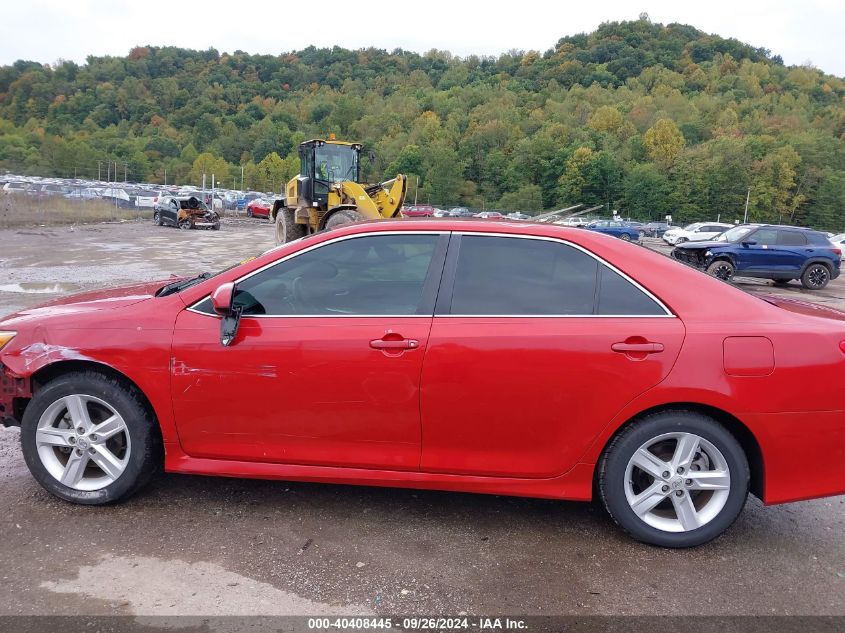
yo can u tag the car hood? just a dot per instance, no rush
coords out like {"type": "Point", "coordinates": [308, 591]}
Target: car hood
{"type": "Point", "coordinates": [107, 299]}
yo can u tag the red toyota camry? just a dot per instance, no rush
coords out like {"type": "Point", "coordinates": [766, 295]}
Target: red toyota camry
{"type": "Point", "coordinates": [480, 356]}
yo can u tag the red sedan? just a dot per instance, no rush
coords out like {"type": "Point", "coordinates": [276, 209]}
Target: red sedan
{"type": "Point", "coordinates": [481, 356]}
{"type": "Point", "coordinates": [259, 208]}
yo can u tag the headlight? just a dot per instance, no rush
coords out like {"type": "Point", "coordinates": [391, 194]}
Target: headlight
{"type": "Point", "coordinates": [5, 337]}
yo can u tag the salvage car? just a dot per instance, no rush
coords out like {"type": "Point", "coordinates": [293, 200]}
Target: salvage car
{"type": "Point", "coordinates": [333, 359]}
{"type": "Point", "coordinates": [766, 251]}
{"type": "Point", "coordinates": [185, 212]}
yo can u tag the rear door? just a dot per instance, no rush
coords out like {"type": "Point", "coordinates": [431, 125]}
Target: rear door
{"type": "Point", "coordinates": [535, 346]}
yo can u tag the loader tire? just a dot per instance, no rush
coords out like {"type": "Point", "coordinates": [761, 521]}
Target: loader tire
{"type": "Point", "coordinates": [287, 230]}
{"type": "Point", "coordinates": [342, 216]}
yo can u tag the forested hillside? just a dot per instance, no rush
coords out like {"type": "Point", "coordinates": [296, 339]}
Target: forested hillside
{"type": "Point", "coordinates": [647, 118]}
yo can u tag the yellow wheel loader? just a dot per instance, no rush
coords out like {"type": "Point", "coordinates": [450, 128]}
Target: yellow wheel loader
{"type": "Point", "coordinates": [328, 192]}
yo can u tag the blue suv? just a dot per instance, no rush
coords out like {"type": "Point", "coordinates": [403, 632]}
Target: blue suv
{"type": "Point", "coordinates": [616, 228]}
{"type": "Point", "coordinates": [767, 251]}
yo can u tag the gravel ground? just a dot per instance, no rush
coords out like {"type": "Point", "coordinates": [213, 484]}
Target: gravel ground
{"type": "Point", "coordinates": [199, 546]}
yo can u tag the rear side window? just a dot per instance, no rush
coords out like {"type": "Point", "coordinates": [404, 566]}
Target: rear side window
{"type": "Point", "coordinates": [506, 276]}
{"type": "Point", "coordinates": [618, 296]}
{"type": "Point", "coordinates": [792, 238]}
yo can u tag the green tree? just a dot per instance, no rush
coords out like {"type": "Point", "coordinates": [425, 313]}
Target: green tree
{"type": "Point", "coordinates": [664, 142]}
{"type": "Point", "coordinates": [209, 164]}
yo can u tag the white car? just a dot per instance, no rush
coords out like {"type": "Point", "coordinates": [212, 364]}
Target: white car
{"type": "Point", "coordinates": [838, 239]}
{"type": "Point", "coordinates": [696, 232]}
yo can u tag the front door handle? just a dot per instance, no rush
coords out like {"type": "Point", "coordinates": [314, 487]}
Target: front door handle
{"type": "Point", "coordinates": [405, 343]}
{"type": "Point", "coordinates": [637, 348]}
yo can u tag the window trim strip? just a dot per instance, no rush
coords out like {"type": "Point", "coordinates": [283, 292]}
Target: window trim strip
{"type": "Point", "coordinates": [447, 282]}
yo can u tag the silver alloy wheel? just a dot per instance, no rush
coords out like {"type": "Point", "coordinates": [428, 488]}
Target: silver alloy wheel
{"type": "Point", "coordinates": [83, 442]}
{"type": "Point", "coordinates": [625, 237]}
{"type": "Point", "coordinates": [677, 482]}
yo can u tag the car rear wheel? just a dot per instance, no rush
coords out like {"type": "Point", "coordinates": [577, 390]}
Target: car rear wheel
{"type": "Point", "coordinates": [721, 269]}
{"type": "Point", "coordinates": [157, 218]}
{"type": "Point", "coordinates": [674, 479]}
{"type": "Point", "coordinates": [815, 277]}
{"type": "Point", "coordinates": [90, 439]}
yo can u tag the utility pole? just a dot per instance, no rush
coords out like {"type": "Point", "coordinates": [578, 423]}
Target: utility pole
{"type": "Point", "coordinates": [108, 171]}
{"type": "Point", "coordinates": [416, 190]}
{"type": "Point", "coordinates": [99, 164]}
{"type": "Point", "coordinates": [242, 177]}
{"type": "Point", "coordinates": [125, 166]}
{"type": "Point", "coordinates": [165, 176]}
{"type": "Point", "coordinates": [747, 198]}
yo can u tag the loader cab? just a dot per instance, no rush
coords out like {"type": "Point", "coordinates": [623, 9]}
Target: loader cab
{"type": "Point", "coordinates": [323, 163]}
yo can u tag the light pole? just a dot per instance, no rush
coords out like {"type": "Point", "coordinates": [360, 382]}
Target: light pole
{"type": "Point", "coordinates": [747, 198]}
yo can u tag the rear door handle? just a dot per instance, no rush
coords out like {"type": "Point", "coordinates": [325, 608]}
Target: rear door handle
{"type": "Point", "coordinates": [405, 343]}
{"type": "Point", "coordinates": [637, 348]}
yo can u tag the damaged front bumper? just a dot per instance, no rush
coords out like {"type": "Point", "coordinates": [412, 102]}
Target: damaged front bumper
{"type": "Point", "coordinates": [14, 394]}
{"type": "Point", "coordinates": [695, 257]}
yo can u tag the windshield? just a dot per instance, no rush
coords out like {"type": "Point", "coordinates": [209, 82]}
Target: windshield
{"type": "Point", "coordinates": [336, 163]}
{"type": "Point", "coordinates": [692, 227]}
{"type": "Point", "coordinates": [734, 235]}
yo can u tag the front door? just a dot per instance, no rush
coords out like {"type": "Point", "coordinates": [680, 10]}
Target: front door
{"type": "Point", "coordinates": [325, 367]}
{"type": "Point", "coordinates": [535, 347]}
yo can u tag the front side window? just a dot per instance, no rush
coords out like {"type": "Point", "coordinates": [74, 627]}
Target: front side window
{"type": "Point", "coordinates": [336, 163]}
{"type": "Point", "coordinates": [764, 237]}
{"type": "Point", "coordinates": [372, 275]}
{"type": "Point", "coordinates": [516, 276]}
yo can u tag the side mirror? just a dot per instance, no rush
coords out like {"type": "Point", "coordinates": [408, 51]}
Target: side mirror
{"type": "Point", "coordinates": [749, 243]}
{"type": "Point", "coordinates": [223, 302]}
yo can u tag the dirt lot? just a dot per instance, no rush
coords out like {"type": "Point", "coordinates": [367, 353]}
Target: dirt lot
{"type": "Point", "coordinates": [193, 545]}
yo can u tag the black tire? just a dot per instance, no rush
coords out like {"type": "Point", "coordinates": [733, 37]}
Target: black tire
{"type": "Point", "coordinates": [157, 219]}
{"type": "Point", "coordinates": [721, 269]}
{"type": "Point", "coordinates": [249, 213]}
{"type": "Point", "coordinates": [185, 225]}
{"type": "Point", "coordinates": [625, 237]}
{"type": "Point", "coordinates": [287, 230]}
{"type": "Point", "coordinates": [681, 240]}
{"type": "Point", "coordinates": [611, 476]}
{"type": "Point", "coordinates": [816, 276]}
{"type": "Point", "coordinates": [145, 454]}
{"type": "Point", "coordinates": [341, 217]}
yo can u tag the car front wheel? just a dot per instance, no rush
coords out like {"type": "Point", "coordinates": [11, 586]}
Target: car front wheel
{"type": "Point", "coordinates": [674, 479]}
{"type": "Point", "coordinates": [90, 439]}
{"type": "Point", "coordinates": [625, 237]}
{"type": "Point", "coordinates": [157, 218]}
{"type": "Point", "coordinates": [721, 269]}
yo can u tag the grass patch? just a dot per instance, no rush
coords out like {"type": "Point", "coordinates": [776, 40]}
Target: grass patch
{"type": "Point", "coordinates": [18, 210]}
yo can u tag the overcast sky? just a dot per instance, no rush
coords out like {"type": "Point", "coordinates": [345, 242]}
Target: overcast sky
{"type": "Point", "coordinates": [49, 30]}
